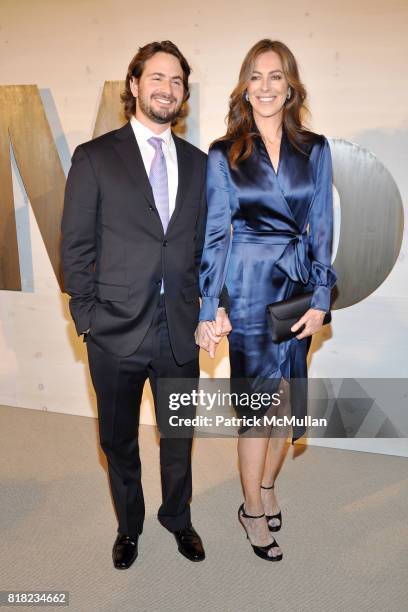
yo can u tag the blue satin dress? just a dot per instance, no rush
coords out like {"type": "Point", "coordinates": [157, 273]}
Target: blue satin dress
{"type": "Point", "coordinates": [268, 237]}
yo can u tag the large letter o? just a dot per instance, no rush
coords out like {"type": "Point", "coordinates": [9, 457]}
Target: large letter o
{"type": "Point", "coordinates": [372, 221]}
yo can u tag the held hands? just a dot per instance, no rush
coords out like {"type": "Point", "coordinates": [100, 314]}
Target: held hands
{"type": "Point", "coordinates": [209, 333]}
{"type": "Point", "coordinates": [312, 320]}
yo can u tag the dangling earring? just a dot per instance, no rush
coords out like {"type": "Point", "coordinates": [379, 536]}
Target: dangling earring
{"type": "Point", "coordinates": [246, 96]}
{"type": "Point", "coordinates": [289, 93]}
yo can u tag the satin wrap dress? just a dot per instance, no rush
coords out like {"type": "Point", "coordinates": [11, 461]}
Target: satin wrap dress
{"type": "Point", "coordinates": [268, 237]}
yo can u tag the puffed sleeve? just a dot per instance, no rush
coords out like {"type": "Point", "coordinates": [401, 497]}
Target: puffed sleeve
{"type": "Point", "coordinates": [214, 261]}
{"type": "Point", "coordinates": [322, 276]}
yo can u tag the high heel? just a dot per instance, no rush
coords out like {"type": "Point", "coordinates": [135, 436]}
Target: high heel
{"type": "Point", "coordinates": [260, 551]}
{"type": "Point", "coordinates": [273, 516]}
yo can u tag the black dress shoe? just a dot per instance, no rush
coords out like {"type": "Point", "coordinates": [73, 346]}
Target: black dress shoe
{"type": "Point", "coordinates": [124, 551]}
{"type": "Point", "coordinates": [190, 544]}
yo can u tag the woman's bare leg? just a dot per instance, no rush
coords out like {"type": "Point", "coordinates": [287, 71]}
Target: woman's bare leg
{"type": "Point", "coordinates": [252, 450]}
{"type": "Point", "coordinates": [278, 447]}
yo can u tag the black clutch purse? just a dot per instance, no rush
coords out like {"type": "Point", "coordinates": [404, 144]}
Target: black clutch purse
{"type": "Point", "coordinates": [282, 315]}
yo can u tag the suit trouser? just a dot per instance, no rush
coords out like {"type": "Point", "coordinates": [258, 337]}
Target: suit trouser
{"type": "Point", "coordinates": [118, 383]}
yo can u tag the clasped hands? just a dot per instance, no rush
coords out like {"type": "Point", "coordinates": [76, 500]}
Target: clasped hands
{"type": "Point", "coordinates": [209, 333]}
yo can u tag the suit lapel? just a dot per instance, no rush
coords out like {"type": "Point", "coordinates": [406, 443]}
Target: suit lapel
{"type": "Point", "coordinates": [185, 167]}
{"type": "Point", "coordinates": [128, 150]}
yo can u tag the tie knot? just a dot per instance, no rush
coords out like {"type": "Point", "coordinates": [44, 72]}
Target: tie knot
{"type": "Point", "coordinates": [156, 143]}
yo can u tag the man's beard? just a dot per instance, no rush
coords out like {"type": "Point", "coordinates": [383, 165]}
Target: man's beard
{"type": "Point", "coordinates": [161, 116]}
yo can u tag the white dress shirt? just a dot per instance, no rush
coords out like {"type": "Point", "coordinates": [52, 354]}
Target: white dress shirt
{"type": "Point", "coordinates": [142, 134]}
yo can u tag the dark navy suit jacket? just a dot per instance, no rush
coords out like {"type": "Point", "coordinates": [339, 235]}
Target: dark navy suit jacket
{"type": "Point", "coordinates": [115, 253]}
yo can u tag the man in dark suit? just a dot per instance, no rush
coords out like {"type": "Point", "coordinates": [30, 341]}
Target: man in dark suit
{"type": "Point", "coordinates": [132, 236]}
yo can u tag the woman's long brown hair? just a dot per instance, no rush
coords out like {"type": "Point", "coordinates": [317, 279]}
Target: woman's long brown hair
{"type": "Point", "coordinates": [240, 121]}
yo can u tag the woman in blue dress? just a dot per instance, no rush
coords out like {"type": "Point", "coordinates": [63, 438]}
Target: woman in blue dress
{"type": "Point", "coordinates": [268, 237]}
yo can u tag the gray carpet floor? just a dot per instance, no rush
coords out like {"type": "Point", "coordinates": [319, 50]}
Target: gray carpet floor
{"type": "Point", "coordinates": [344, 535]}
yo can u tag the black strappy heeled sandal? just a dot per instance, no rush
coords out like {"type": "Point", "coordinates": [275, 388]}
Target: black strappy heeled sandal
{"type": "Point", "coordinates": [260, 551]}
{"type": "Point", "coordinates": [273, 516]}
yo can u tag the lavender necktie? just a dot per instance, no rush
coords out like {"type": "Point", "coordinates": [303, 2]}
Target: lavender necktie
{"type": "Point", "coordinates": [158, 181]}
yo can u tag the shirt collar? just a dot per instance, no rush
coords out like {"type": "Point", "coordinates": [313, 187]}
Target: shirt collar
{"type": "Point", "coordinates": [143, 133]}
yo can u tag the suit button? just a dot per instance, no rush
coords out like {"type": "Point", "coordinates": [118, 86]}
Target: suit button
{"type": "Point", "coordinates": [164, 242]}
{"type": "Point", "coordinates": [151, 207]}
{"type": "Point", "coordinates": [158, 282]}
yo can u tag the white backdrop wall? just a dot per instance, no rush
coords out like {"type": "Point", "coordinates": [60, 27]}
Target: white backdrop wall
{"type": "Point", "coordinates": [352, 58]}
